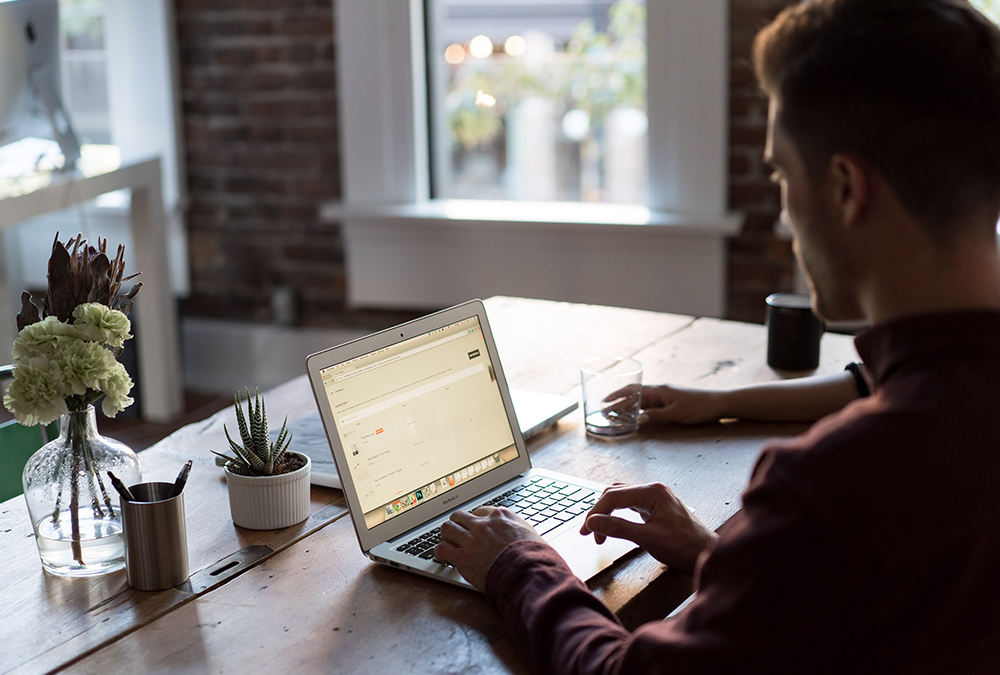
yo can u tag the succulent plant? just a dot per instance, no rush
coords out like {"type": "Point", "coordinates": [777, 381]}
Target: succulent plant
{"type": "Point", "coordinates": [257, 455]}
{"type": "Point", "coordinates": [79, 273]}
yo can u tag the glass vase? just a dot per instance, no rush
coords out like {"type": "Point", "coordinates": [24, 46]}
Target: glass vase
{"type": "Point", "coordinates": [71, 502]}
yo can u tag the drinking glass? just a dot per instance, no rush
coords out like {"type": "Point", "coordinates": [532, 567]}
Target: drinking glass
{"type": "Point", "coordinates": [612, 395]}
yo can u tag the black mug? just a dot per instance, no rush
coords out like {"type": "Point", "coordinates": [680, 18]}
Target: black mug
{"type": "Point", "coordinates": [793, 332]}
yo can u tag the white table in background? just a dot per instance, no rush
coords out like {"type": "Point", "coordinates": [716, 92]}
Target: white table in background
{"type": "Point", "coordinates": [158, 343]}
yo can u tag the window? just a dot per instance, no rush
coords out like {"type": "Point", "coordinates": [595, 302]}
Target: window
{"type": "Point", "coordinates": [990, 8]}
{"type": "Point", "coordinates": [538, 102]}
{"type": "Point", "coordinates": [84, 75]}
{"type": "Point", "coordinates": [382, 78]}
{"type": "Point", "coordinates": [407, 249]}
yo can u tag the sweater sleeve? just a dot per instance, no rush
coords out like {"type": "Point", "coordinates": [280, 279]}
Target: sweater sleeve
{"type": "Point", "coordinates": [551, 615]}
{"type": "Point", "coordinates": [769, 594]}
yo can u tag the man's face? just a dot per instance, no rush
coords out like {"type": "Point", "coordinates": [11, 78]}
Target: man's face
{"type": "Point", "coordinates": [809, 210]}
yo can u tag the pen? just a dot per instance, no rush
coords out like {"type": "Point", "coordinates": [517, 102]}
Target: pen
{"type": "Point", "coordinates": [120, 486]}
{"type": "Point", "coordinates": [181, 479]}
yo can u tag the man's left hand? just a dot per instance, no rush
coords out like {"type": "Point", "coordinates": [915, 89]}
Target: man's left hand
{"type": "Point", "coordinates": [472, 541]}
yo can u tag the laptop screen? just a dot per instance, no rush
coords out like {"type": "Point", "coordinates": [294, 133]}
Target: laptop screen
{"type": "Point", "coordinates": [418, 418]}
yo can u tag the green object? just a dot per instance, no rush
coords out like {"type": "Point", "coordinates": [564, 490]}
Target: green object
{"type": "Point", "coordinates": [17, 444]}
{"type": "Point", "coordinates": [257, 456]}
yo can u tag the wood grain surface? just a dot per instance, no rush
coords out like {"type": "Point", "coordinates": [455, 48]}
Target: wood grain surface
{"type": "Point", "coordinates": [321, 607]}
{"type": "Point", "coordinates": [49, 621]}
{"type": "Point", "coordinates": [316, 603]}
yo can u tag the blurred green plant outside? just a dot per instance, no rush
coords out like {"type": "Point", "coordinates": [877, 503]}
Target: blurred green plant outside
{"type": "Point", "coordinates": [596, 72]}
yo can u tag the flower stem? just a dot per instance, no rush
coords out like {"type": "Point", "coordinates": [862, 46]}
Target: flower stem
{"type": "Point", "coordinates": [58, 508]}
{"type": "Point", "coordinates": [92, 475]}
{"type": "Point", "coordinates": [77, 440]}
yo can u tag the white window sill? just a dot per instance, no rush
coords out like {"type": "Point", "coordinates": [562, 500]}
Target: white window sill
{"type": "Point", "coordinates": [577, 216]}
{"type": "Point", "coordinates": [432, 254]}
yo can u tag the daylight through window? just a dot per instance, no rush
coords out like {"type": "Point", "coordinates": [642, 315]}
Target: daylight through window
{"type": "Point", "coordinates": [538, 101]}
{"type": "Point", "coordinates": [84, 76]}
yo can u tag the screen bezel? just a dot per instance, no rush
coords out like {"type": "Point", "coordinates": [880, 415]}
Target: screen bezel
{"type": "Point", "coordinates": [433, 508]}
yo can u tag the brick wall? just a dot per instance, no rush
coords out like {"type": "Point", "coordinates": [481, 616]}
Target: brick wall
{"type": "Point", "coordinates": [259, 99]}
{"type": "Point", "coordinates": [759, 263]}
{"type": "Point", "coordinates": [258, 92]}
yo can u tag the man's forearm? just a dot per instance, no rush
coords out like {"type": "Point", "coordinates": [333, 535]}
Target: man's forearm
{"type": "Point", "coordinates": [800, 400]}
{"type": "Point", "coordinates": [551, 616]}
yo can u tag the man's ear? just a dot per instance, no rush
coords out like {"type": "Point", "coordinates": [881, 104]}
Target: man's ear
{"type": "Point", "coordinates": [851, 188]}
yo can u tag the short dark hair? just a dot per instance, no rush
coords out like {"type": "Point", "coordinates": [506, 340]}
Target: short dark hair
{"type": "Point", "coordinates": [912, 86]}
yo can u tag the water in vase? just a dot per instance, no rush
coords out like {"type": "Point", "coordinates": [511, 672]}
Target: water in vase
{"type": "Point", "coordinates": [101, 548]}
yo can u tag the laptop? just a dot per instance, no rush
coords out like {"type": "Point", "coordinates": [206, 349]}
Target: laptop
{"type": "Point", "coordinates": [421, 423]}
{"type": "Point", "coordinates": [536, 411]}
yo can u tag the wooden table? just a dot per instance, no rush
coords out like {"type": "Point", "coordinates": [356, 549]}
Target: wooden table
{"type": "Point", "coordinates": [305, 599]}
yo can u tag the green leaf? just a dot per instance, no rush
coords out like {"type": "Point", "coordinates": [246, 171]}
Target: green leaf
{"type": "Point", "coordinates": [263, 441]}
{"type": "Point", "coordinates": [235, 447]}
{"type": "Point", "coordinates": [240, 470]}
{"type": "Point", "coordinates": [224, 456]}
{"type": "Point", "coordinates": [251, 459]}
{"type": "Point", "coordinates": [241, 421]}
{"type": "Point", "coordinates": [282, 443]}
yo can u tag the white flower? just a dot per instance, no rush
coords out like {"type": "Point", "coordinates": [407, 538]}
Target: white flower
{"type": "Point", "coordinates": [83, 365]}
{"type": "Point", "coordinates": [102, 324]}
{"type": "Point", "coordinates": [116, 386]}
{"type": "Point", "coordinates": [43, 336]}
{"type": "Point", "coordinates": [54, 361]}
{"type": "Point", "coordinates": [35, 395]}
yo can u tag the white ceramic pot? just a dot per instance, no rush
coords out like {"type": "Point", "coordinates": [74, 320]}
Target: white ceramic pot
{"type": "Point", "coordinates": [269, 502]}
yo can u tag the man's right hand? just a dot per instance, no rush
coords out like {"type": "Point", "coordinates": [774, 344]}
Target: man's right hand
{"type": "Point", "coordinates": [670, 532]}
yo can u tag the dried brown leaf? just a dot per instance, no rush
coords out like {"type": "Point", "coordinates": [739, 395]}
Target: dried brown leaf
{"type": "Point", "coordinates": [80, 273]}
{"type": "Point", "coordinates": [123, 303]}
{"type": "Point", "coordinates": [100, 281]}
{"type": "Point", "coordinates": [28, 314]}
{"type": "Point", "coordinates": [60, 300]}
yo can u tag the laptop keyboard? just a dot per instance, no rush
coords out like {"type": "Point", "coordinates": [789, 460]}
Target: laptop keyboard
{"type": "Point", "coordinates": [543, 502]}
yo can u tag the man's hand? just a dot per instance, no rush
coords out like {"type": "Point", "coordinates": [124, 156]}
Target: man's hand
{"type": "Point", "coordinates": [472, 541]}
{"type": "Point", "coordinates": [663, 403]}
{"type": "Point", "coordinates": [670, 533]}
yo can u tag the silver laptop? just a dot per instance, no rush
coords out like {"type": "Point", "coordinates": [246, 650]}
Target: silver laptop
{"type": "Point", "coordinates": [536, 411]}
{"type": "Point", "coordinates": [421, 424]}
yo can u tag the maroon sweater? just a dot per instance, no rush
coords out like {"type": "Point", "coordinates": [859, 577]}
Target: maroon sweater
{"type": "Point", "coordinates": [869, 544]}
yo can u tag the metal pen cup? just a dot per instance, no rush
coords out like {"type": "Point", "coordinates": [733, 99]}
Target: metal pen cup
{"type": "Point", "coordinates": [156, 555]}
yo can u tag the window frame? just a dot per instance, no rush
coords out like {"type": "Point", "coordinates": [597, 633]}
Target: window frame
{"type": "Point", "coordinates": [385, 150]}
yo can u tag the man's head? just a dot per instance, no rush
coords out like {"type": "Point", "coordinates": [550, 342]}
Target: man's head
{"type": "Point", "coordinates": [908, 90]}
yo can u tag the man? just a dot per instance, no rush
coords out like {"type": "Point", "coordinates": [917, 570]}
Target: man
{"type": "Point", "coordinates": [872, 542]}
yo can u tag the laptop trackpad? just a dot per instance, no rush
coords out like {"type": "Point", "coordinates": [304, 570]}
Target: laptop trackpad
{"type": "Point", "coordinates": [584, 556]}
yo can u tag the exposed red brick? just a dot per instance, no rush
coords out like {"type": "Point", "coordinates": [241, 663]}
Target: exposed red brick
{"type": "Point", "coordinates": [759, 263]}
{"type": "Point", "coordinates": [760, 221]}
{"type": "Point", "coordinates": [305, 25]}
{"type": "Point", "coordinates": [739, 165]}
{"type": "Point", "coordinates": [317, 187]}
{"type": "Point", "coordinates": [301, 54]}
{"type": "Point", "coordinates": [259, 100]}
{"type": "Point", "coordinates": [749, 195]}
{"type": "Point", "coordinates": [741, 74]}
{"type": "Point", "coordinates": [752, 15]}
